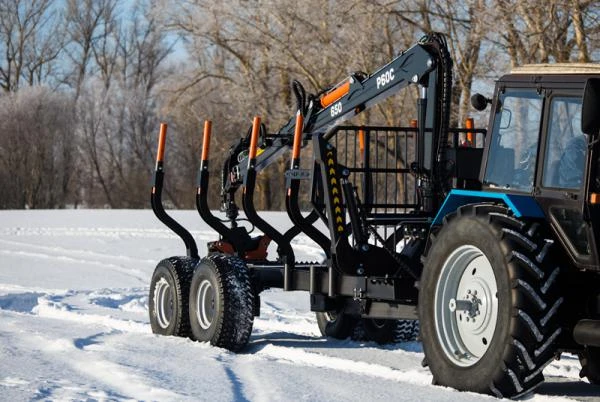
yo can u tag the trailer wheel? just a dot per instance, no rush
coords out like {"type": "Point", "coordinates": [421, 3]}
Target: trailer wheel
{"type": "Point", "coordinates": [407, 331]}
{"type": "Point", "coordinates": [336, 324]}
{"type": "Point", "coordinates": [387, 331]}
{"type": "Point", "coordinates": [168, 298]}
{"type": "Point", "coordinates": [590, 364]}
{"type": "Point", "coordinates": [221, 303]}
{"type": "Point", "coordinates": [379, 330]}
{"type": "Point", "coordinates": [488, 302]}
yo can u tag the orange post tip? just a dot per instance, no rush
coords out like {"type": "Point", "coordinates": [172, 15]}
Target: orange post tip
{"type": "Point", "coordinates": [162, 135]}
{"type": "Point", "coordinates": [254, 137]}
{"type": "Point", "coordinates": [470, 124]}
{"type": "Point", "coordinates": [361, 140]}
{"type": "Point", "coordinates": [206, 139]}
{"type": "Point", "coordinates": [594, 198]}
{"type": "Point", "coordinates": [414, 123]}
{"type": "Point", "coordinates": [297, 136]}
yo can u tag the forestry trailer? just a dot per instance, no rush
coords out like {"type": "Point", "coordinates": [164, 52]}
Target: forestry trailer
{"type": "Point", "coordinates": [490, 238]}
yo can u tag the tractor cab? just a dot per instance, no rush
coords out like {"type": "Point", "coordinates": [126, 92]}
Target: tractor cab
{"type": "Point", "coordinates": [537, 148]}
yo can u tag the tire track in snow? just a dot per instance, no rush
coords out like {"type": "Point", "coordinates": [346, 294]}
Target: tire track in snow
{"type": "Point", "coordinates": [52, 309]}
{"type": "Point", "coordinates": [92, 365]}
{"type": "Point", "coordinates": [301, 243]}
{"type": "Point", "coordinates": [9, 288]}
{"type": "Point", "coordinates": [305, 358]}
{"type": "Point", "coordinates": [275, 319]}
{"type": "Point", "coordinates": [61, 251]}
{"type": "Point", "coordinates": [53, 305]}
{"type": "Point", "coordinates": [133, 272]}
{"type": "Point", "coordinates": [115, 233]}
{"type": "Point", "coordinates": [363, 369]}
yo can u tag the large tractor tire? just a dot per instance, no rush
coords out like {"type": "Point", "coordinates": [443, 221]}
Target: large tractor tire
{"type": "Point", "coordinates": [336, 324]}
{"type": "Point", "coordinates": [488, 302]}
{"type": "Point", "coordinates": [221, 303]}
{"type": "Point", "coordinates": [168, 299]}
{"type": "Point", "coordinates": [590, 364]}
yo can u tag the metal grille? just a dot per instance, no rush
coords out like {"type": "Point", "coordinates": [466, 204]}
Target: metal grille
{"type": "Point", "coordinates": [379, 160]}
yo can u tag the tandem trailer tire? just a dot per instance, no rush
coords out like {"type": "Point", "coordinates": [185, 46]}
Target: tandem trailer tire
{"type": "Point", "coordinates": [221, 303]}
{"type": "Point", "coordinates": [168, 298]}
{"type": "Point", "coordinates": [384, 331]}
{"type": "Point", "coordinates": [379, 330]}
{"type": "Point", "coordinates": [488, 302]}
{"type": "Point", "coordinates": [336, 324]}
{"type": "Point", "coordinates": [407, 331]}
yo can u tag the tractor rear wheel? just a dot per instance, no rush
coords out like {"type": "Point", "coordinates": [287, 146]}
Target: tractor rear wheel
{"type": "Point", "coordinates": [221, 303]}
{"type": "Point", "coordinates": [168, 298]}
{"type": "Point", "coordinates": [488, 301]}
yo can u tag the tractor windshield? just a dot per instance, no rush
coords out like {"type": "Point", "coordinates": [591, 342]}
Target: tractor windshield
{"type": "Point", "coordinates": [513, 149]}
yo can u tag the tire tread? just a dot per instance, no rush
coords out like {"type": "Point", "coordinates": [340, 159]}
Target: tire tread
{"type": "Point", "coordinates": [182, 270]}
{"type": "Point", "coordinates": [532, 272]}
{"type": "Point", "coordinates": [236, 289]}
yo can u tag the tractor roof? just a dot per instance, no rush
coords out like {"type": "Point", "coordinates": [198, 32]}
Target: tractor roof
{"type": "Point", "coordinates": [558, 68]}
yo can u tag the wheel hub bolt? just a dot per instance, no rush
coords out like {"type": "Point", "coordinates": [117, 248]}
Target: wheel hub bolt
{"type": "Point", "coordinates": [461, 305]}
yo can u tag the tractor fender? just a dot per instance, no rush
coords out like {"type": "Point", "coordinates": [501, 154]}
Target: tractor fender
{"type": "Point", "coordinates": [521, 205]}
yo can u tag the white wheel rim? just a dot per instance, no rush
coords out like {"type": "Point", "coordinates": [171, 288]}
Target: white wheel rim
{"type": "Point", "coordinates": [163, 303]}
{"type": "Point", "coordinates": [205, 304]}
{"type": "Point", "coordinates": [466, 305]}
{"type": "Point", "coordinates": [331, 316]}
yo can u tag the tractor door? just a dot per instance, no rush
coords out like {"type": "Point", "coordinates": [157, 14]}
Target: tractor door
{"type": "Point", "coordinates": [561, 175]}
{"type": "Point", "coordinates": [513, 145]}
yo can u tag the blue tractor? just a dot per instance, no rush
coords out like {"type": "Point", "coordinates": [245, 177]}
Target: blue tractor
{"type": "Point", "coordinates": [487, 237]}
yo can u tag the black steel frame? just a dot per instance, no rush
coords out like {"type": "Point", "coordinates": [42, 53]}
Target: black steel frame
{"type": "Point", "coordinates": [362, 267]}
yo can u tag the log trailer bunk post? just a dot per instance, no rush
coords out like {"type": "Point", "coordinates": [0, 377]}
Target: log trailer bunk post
{"type": "Point", "coordinates": [494, 249]}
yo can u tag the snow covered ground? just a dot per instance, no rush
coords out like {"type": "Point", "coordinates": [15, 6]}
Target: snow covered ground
{"type": "Point", "coordinates": [74, 326]}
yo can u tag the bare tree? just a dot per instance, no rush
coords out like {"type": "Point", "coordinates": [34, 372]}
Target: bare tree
{"type": "Point", "coordinates": [546, 31]}
{"type": "Point", "coordinates": [30, 42]}
{"type": "Point", "coordinates": [36, 156]}
{"type": "Point", "coordinates": [87, 22]}
{"type": "Point", "coordinates": [117, 111]}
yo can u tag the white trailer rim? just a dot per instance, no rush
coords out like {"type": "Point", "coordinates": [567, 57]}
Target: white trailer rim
{"type": "Point", "coordinates": [466, 305]}
{"type": "Point", "coordinates": [205, 304]}
{"type": "Point", "coordinates": [163, 303]}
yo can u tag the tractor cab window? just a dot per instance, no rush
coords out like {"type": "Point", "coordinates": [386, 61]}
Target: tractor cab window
{"type": "Point", "coordinates": [566, 145]}
{"type": "Point", "coordinates": [513, 150]}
